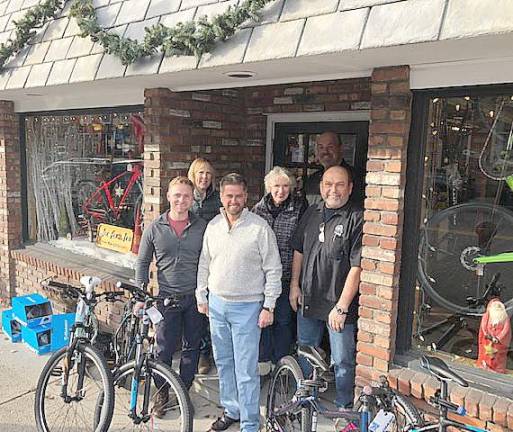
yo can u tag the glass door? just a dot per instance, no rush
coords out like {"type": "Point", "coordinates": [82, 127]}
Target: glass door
{"type": "Point", "coordinates": [294, 148]}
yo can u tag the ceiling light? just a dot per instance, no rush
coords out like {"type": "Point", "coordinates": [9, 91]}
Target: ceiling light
{"type": "Point", "coordinates": [240, 74]}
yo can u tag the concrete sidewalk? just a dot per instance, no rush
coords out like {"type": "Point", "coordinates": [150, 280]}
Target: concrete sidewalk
{"type": "Point", "coordinates": [19, 373]}
{"type": "Point", "coordinates": [20, 369]}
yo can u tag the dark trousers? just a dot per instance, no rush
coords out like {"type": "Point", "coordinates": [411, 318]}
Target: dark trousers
{"type": "Point", "coordinates": [277, 339]}
{"type": "Point", "coordinates": [183, 326]}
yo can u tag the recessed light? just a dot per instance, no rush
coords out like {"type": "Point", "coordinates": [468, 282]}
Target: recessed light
{"type": "Point", "coordinates": [33, 94]}
{"type": "Point", "coordinates": [240, 74]}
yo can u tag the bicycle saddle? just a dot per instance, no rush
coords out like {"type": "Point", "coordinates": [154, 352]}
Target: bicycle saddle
{"type": "Point", "coordinates": [440, 370]}
{"type": "Point", "coordinates": [314, 355]}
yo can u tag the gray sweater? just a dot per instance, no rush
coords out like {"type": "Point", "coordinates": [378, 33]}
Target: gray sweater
{"type": "Point", "coordinates": [176, 258]}
{"type": "Point", "coordinates": [241, 263]}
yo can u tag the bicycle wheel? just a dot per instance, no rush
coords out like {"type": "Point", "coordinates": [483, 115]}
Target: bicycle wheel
{"type": "Point", "coordinates": [282, 388]}
{"type": "Point", "coordinates": [450, 241]}
{"type": "Point", "coordinates": [88, 377]}
{"type": "Point", "coordinates": [178, 411]}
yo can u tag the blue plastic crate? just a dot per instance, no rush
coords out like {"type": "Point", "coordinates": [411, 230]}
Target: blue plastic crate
{"type": "Point", "coordinates": [61, 327]}
{"type": "Point", "coordinates": [39, 338]}
{"type": "Point", "coordinates": [10, 326]}
{"type": "Point", "coordinates": [32, 310]}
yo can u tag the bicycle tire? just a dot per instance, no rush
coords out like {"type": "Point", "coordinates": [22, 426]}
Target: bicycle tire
{"type": "Point", "coordinates": [287, 365]}
{"type": "Point", "coordinates": [96, 370]}
{"type": "Point", "coordinates": [406, 415]}
{"type": "Point", "coordinates": [121, 421]}
{"type": "Point", "coordinates": [441, 262]}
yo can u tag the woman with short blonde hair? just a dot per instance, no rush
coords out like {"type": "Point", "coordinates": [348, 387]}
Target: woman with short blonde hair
{"type": "Point", "coordinates": [206, 205]}
{"type": "Point", "coordinates": [206, 198]}
{"type": "Point", "coordinates": [282, 208]}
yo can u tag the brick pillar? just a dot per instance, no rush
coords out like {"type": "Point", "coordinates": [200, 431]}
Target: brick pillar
{"type": "Point", "coordinates": [381, 255]}
{"type": "Point", "coordinates": [10, 196]}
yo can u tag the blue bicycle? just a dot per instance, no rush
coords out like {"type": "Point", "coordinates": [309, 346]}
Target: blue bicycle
{"type": "Point", "coordinates": [150, 396]}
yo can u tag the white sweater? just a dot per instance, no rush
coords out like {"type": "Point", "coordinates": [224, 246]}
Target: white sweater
{"type": "Point", "coordinates": [241, 263]}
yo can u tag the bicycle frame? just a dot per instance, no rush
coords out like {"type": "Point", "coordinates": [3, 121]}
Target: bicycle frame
{"type": "Point", "coordinates": [104, 188]}
{"type": "Point", "coordinates": [141, 363]}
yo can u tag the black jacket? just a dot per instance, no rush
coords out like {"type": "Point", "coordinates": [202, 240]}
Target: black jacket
{"type": "Point", "coordinates": [209, 207]}
{"type": "Point", "coordinates": [327, 264]}
{"type": "Point", "coordinates": [283, 226]}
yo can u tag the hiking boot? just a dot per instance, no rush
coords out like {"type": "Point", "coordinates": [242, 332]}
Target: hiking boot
{"type": "Point", "coordinates": [161, 404]}
{"type": "Point", "coordinates": [204, 364]}
{"type": "Point", "coordinates": [223, 423]}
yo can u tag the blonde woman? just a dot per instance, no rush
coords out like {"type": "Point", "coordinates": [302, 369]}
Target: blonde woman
{"type": "Point", "coordinates": [206, 198]}
{"type": "Point", "coordinates": [206, 205]}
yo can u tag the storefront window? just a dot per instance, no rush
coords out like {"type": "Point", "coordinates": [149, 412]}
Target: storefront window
{"type": "Point", "coordinates": [84, 171]}
{"type": "Point", "coordinates": [465, 273]}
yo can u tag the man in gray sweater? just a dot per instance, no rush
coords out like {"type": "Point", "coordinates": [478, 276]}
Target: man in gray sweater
{"type": "Point", "coordinates": [239, 280]}
{"type": "Point", "coordinates": [175, 240]}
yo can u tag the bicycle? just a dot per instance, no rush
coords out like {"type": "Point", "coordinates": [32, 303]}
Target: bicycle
{"type": "Point", "coordinates": [441, 371]}
{"type": "Point", "coordinates": [110, 202]}
{"type": "Point", "coordinates": [293, 402]}
{"type": "Point", "coordinates": [75, 376]}
{"type": "Point", "coordinates": [139, 382]}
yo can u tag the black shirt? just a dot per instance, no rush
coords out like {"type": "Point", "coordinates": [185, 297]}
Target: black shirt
{"type": "Point", "coordinates": [327, 264]}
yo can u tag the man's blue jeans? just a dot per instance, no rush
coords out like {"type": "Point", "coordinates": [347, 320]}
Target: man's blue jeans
{"type": "Point", "coordinates": [277, 339]}
{"type": "Point", "coordinates": [342, 345]}
{"type": "Point", "coordinates": [235, 340]}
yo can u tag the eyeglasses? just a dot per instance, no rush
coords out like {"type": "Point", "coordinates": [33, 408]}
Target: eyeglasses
{"type": "Point", "coordinates": [321, 232]}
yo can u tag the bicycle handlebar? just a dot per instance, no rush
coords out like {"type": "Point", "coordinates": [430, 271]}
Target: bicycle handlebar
{"type": "Point", "coordinates": [76, 292]}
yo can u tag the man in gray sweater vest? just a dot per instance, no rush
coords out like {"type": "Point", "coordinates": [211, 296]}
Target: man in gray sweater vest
{"type": "Point", "coordinates": [239, 280]}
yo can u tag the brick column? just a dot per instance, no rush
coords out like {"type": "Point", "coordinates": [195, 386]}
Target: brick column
{"type": "Point", "coordinates": [10, 196]}
{"type": "Point", "coordinates": [386, 178]}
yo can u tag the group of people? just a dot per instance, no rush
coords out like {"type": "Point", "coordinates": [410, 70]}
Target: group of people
{"type": "Point", "coordinates": [245, 274]}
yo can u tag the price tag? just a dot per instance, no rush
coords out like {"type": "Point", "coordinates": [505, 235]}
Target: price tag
{"type": "Point", "coordinates": [383, 422]}
{"type": "Point", "coordinates": [155, 315]}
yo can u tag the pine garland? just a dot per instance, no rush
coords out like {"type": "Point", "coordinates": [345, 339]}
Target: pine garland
{"type": "Point", "coordinates": [190, 38]}
{"type": "Point", "coordinates": [25, 29]}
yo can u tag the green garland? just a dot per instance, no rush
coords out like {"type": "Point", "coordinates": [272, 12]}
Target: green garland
{"type": "Point", "coordinates": [25, 28]}
{"type": "Point", "coordinates": [190, 38]}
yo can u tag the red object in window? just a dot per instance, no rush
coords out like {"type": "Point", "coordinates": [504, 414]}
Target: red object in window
{"type": "Point", "coordinates": [494, 337]}
{"type": "Point", "coordinates": [138, 127]}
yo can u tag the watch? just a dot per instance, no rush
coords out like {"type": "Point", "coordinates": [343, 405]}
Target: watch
{"type": "Point", "coordinates": [268, 309]}
{"type": "Point", "coordinates": [341, 311]}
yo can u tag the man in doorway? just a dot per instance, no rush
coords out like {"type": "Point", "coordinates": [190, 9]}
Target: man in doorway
{"type": "Point", "coordinates": [328, 151]}
{"type": "Point", "coordinates": [326, 275]}
{"type": "Point", "coordinates": [239, 280]}
{"type": "Point", "coordinates": [175, 240]}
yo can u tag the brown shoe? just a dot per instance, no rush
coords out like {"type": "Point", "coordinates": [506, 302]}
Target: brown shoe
{"type": "Point", "coordinates": [161, 404]}
{"type": "Point", "coordinates": [204, 364]}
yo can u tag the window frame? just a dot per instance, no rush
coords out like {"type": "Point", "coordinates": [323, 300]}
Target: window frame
{"type": "Point", "coordinates": [417, 143]}
{"type": "Point", "coordinates": [23, 149]}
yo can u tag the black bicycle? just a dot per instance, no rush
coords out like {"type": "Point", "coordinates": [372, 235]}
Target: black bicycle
{"type": "Point", "coordinates": [76, 376]}
{"type": "Point", "coordinates": [441, 371]}
{"type": "Point", "coordinates": [293, 402]}
{"type": "Point", "coordinates": [149, 394]}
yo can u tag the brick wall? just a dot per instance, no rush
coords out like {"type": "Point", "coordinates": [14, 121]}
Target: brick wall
{"type": "Point", "coordinates": [229, 128]}
{"type": "Point", "coordinates": [10, 195]}
{"type": "Point", "coordinates": [381, 255]}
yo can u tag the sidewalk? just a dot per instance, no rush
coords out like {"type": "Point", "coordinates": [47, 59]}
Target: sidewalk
{"type": "Point", "coordinates": [19, 372]}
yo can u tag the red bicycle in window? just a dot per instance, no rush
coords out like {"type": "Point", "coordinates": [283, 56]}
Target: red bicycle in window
{"type": "Point", "coordinates": [116, 201]}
